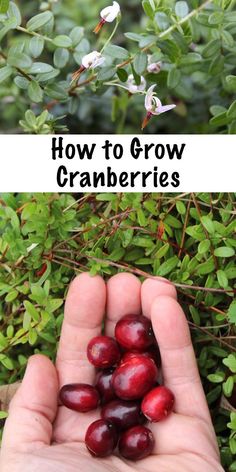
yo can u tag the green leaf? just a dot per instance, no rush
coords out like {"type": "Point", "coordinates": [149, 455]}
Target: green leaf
{"type": "Point", "coordinates": [173, 78]}
{"type": "Point", "coordinates": [224, 251]}
{"type": "Point", "coordinates": [148, 9]}
{"type": "Point", "coordinates": [212, 48]}
{"type": "Point", "coordinates": [76, 35]}
{"type": "Point", "coordinates": [117, 254]}
{"type": "Point", "coordinates": [231, 81]}
{"type": "Point", "coordinates": [56, 92]}
{"type": "Point", "coordinates": [3, 415]}
{"type": "Point", "coordinates": [20, 60]}
{"type": "Point", "coordinates": [61, 57]}
{"type": "Point", "coordinates": [206, 267]}
{"type": "Point", "coordinates": [162, 20]}
{"type": "Point", "coordinates": [4, 5]}
{"type": "Point", "coordinates": [116, 52]}
{"type": "Point", "coordinates": [227, 39]}
{"type": "Point", "coordinates": [230, 362]}
{"type": "Point", "coordinates": [216, 18]}
{"type": "Point", "coordinates": [9, 24]}
{"type": "Point", "coordinates": [36, 46]}
{"type": "Point", "coordinates": [35, 92]}
{"type": "Point", "coordinates": [11, 296]}
{"type": "Point", "coordinates": [5, 73]}
{"type": "Point", "coordinates": [231, 113]}
{"type": "Point", "coordinates": [140, 63]}
{"type": "Point", "coordinates": [106, 73]}
{"type": "Point", "coordinates": [14, 13]}
{"type": "Point", "coordinates": [39, 20]}
{"type": "Point", "coordinates": [228, 386]}
{"type": "Point", "coordinates": [181, 9]}
{"type": "Point", "coordinates": [216, 378]}
{"type": "Point", "coordinates": [31, 310]}
{"type": "Point", "coordinates": [180, 206]}
{"type": "Point", "coordinates": [6, 362]}
{"type": "Point", "coordinates": [40, 68]}
{"type": "Point", "coordinates": [106, 197]}
{"type": "Point", "coordinates": [122, 74]}
{"type": "Point", "coordinates": [162, 251]}
{"type": "Point", "coordinates": [62, 41]}
{"type": "Point", "coordinates": [168, 266]}
{"type": "Point", "coordinates": [222, 278]}
{"type": "Point", "coordinates": [208, 224]}
{"type": "Point", "coordinates": [204, 246]}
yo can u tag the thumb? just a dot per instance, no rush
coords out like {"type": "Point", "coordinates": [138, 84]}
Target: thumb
{"type": "Point", "coordinates": [33, 407]}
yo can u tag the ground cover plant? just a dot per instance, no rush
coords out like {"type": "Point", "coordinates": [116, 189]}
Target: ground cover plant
{"type": "Point", "coordinates": [185, 49]}
{"type": "Point", "coordinates": [188, 238]}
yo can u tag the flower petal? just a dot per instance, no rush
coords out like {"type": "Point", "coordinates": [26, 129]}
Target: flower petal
{"type": "Point", "coordinates": [165, 108]}
{"type": "Point", "coordinates": [110, 13]}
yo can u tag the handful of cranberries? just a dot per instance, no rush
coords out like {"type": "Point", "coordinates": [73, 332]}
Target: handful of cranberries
{"type": "Point", "coordinates": [126, 388]}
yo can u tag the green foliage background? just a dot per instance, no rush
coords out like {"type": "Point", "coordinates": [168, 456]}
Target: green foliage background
{"type": "Point", "coordinates": [195, 41]}
{"type": "Point", "coordinates": [188, 238]}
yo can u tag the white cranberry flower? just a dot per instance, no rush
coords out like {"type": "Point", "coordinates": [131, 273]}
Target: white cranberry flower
{"type": "Point", "coordinates": [153, 67]}
{"type": "Point", "coordinates": [108, 15]}
{"type": "Point", "coordinates": [90, 61]}
{"type": "Point", "coordinates": [154, 106]}
{"type": "Point", "coordinates": [133, 87]}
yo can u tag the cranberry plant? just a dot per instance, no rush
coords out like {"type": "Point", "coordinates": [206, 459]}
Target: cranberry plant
{"type": "Point", "coordinates": [95, 66]}
{"type": "Point", "coordinates": [45, 239]}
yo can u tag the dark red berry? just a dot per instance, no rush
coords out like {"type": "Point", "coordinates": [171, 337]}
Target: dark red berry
{"type": "Point", "coordinates": [123, 414]}
{"type": "Point", "coordinates": [103, 351]}
{"type": "Point", "coordinates": [136, 443]}
{"type": "Point", "coordinates": [79, 397]}
{"type": "Point", "coordinates": [158, 403]}
{"type": "Point", "coordinates": [101, 438]}
{"type": "Point", "coordinates": [134, 332]}
{"type": "Point", "coordinates": [134, 378]}
{"type": "Point", "coordinates": [152, 354]}
{"type": "Point", "coordinates": [104, 385]}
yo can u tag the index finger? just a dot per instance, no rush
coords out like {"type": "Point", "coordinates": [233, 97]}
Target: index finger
{"type": "Point", "coordinates": [84, 311]}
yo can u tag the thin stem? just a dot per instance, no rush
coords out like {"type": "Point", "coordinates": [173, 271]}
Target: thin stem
{"type": "Point", "coordinates": [111, 36]}
{"type": "Point", "coordinates": [33, 33]}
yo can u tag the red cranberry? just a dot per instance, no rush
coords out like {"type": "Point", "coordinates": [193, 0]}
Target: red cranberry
{"type": "Point", "coordinates": [136, 443]}
{"type": "Point", "coordinates": [153, 354]}
{"type": "Point", "coordinates": [134, 332]}
{"type": "Point", "coordinates": [104, 385]}
{"type": "Point", "coordinates": [101, 438]}
{"type": "Point", "coordinates": [134, 378]}
{"type": "Point", "coordinates": [158, 403]}
{"type": "Point", "coordinates": [123, 414]}
{"type": "Point", "coordinates": [103, 351]}
{"type": "Point", "coordinates": [79, 397]}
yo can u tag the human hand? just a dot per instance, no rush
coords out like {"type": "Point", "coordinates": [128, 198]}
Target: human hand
{"type": "Point", "coordinates": [41, 436]}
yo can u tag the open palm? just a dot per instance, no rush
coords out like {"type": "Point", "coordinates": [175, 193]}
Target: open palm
{"type": "Point", "coordinates": [40, 436]}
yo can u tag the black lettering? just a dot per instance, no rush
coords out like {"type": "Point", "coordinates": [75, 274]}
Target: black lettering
{"type": "Point", "coordinates": [175, 179]}
{"type": "Point", "coordinates": [106, 146]}
{"type": "Point", "coordinates": [135, 148]}
{"type": "Point", "coordinates": [160, 151]}
{"type": "Point", "coordinates": [62, 170]}
{"type": "Point", "coordinates": [73, 175]}
{"type": "Point", "coordinates": [172, 150]}
{"type": "Point", "coordinates": [57, 148]}
{"type": "Point", "coordinates": [85, 151]}
{"type": "Point", "coordinates": [85, 179]}
{"type": "Point", "coordinates": [133, 176]}
{"type": "Point", "coordinates": [164, 179]}
{"type": "Point", "coordinates": [70, 151]}
{"type": "Point", "coordinates": [118, 151]}
{"type": "Point", "coordinates": [123, 180]}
